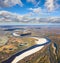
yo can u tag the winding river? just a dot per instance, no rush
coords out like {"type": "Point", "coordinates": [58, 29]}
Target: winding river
{"type": "Point", "coordinates": [31, 50]}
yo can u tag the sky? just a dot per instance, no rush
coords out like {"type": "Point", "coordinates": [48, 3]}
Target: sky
{"type": "Point", "coordinates": [29, 12]}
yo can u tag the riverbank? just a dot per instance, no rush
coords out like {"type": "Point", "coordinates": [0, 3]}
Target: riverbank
{"type": "Point", "coordinates": [32, 51]}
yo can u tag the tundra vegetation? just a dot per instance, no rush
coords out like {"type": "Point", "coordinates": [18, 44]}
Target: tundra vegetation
{"type": "Point", "coordinates": [50, 53]}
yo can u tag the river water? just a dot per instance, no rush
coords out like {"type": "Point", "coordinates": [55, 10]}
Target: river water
{"type": "Point", "coordinates": [9, 60]}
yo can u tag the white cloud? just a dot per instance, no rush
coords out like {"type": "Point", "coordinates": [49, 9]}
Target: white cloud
{"type": "Point", "coordinates": [35, 10]}
{"type": "Point", "coordinates": [52, 5]}
{"type": "Point", "coordinates": [6, 16]}
{"type": "Point", "coordinates": [32, 1]}
{"type": "Point", "coordinates": [37, 3]}
{"type": "Point", "coordinates": [57, 4]}
{"type": "Point", "coordinates": [13, 17]}
{"type": "Point", "coordinates": [9, 3]}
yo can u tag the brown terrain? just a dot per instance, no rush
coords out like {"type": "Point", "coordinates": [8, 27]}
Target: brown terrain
{"type": "Point", "coordinates": [49, 54]}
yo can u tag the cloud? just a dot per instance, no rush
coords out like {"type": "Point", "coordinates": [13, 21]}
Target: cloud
{"type": "Point", "coordinates": [38, 3]}
{"type": "Point", "coordinates": [57, 4]}
{"type": "Point", "coordinates": [6, 16]}
{"type": "Point", "coordinates": [10, 3]}
{"type": "Point", "coordinates": [32, 1]}
{"type": "Point", "coordinates": [35, 10]}
{"type": "Point", "coordinates": [52, 5]}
